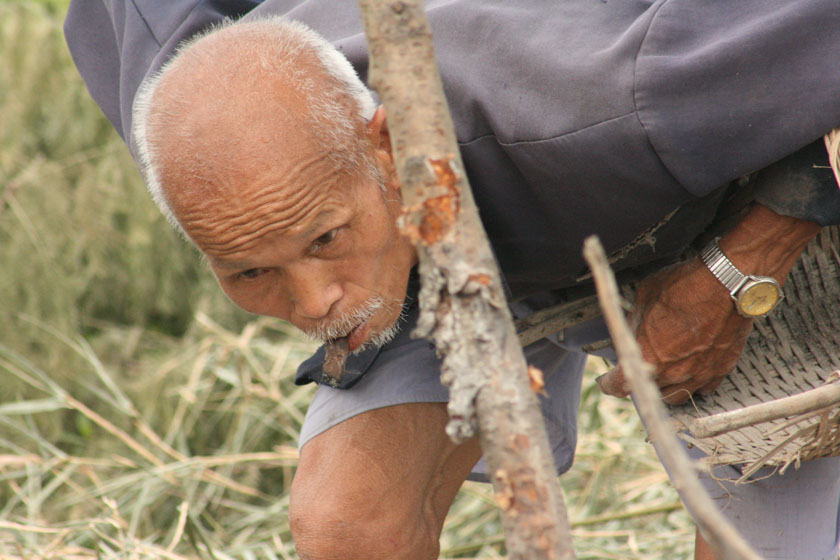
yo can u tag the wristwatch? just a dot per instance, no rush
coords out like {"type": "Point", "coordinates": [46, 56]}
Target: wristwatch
{"type": "Point", "coordinates": [754, 296]}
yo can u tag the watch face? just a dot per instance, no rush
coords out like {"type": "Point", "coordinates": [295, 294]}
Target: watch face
{"type": "Point", "coordinates": [758, 297]}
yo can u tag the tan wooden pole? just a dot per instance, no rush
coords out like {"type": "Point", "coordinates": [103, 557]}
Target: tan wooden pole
{"type": "Point", "coordinates": [463, 307]}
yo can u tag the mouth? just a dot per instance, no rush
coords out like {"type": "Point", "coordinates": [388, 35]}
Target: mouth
{"type": "Point", "coordinates": [356, 337]}
{"type": "Point", "coordinates": [339, 349]}
{"type": "Point", "coordinates": [355, 330]}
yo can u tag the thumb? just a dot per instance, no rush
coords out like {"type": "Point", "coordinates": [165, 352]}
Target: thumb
{"type": "Point", "coordinates": [613, 383]}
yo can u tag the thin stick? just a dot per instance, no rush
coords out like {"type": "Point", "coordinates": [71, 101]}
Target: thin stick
{"type": "Point", "coordinates": [832, 144]}
{"type": "Point", "coordinates": [809, 401]}
{"type": "Point", "coordinates": [554, 319]}
{"type": "Point", "coordinates": [714, 526]}
{"type": "Point", "coordinates": [639, 512]}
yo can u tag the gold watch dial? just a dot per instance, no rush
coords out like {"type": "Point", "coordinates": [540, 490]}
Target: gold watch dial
{"type": "Point", "coordinates": [759, 298]}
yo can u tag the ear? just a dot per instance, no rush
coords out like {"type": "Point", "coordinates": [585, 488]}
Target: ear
{"type": "Point", "coordinates": [377, 133]}
{"type": "Point", "coordinates": [377, 130]}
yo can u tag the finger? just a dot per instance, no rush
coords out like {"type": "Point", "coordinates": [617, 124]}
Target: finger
{"type": "Point", "coordinates": [679, 372]}
{"type": "Point", "coordinates": [613, 383]}
{"type": "Point", "coordinates": [711, 386]}
{"type": "Point", "coordinates": [678, 393]}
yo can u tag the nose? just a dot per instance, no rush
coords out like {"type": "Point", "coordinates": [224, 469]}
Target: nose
{"type": "Point", "coordinates": [313, 296]}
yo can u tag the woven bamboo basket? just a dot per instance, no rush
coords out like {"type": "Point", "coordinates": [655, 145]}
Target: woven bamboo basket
{"type": "Point", "coordinates": [792, 355]}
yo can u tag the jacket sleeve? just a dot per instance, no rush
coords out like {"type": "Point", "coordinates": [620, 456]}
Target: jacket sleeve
{"type": "Point", "coordinates": [116, 43]}
{"type": "Point", "coordinates": [801, 185]}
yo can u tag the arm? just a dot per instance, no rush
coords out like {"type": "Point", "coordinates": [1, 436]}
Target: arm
{"type": "Point", "coordinates": [685, 321]}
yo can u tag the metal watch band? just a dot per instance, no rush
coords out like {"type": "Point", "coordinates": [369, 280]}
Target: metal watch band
{"type": "Point", "coordinates": [722, 267]}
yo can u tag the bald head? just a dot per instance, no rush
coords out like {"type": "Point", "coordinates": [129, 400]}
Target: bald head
{"type": "Point", "coordinates": [242, 98]}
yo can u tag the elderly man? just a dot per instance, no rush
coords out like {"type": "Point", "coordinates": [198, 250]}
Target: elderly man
{"type": "Point", "coordinates": [626, 119]}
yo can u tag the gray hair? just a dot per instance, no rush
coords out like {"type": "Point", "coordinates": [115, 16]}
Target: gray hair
{"type": "Point", "coordinates": [275, 44]}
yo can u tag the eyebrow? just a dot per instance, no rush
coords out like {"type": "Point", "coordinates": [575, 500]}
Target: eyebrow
{"type": "Point", "coordinates": [231, 265]}
{"type": "Point", "coordinates": [317, 222]}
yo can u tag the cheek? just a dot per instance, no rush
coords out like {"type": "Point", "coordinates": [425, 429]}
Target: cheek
{"type": "Point", "coordinates": [241, 298]}
{"type": "Point", "coordinates": [255, 299]}
{"type": "Point", "coordinates": [376, 253]}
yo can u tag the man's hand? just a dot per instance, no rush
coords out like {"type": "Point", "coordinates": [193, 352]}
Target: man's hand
{"type": "Point", "coordinates": [688, 330]}
{"type": "Point", "coordinates": [685, 321]}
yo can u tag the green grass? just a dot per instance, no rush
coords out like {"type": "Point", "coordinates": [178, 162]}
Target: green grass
{"type": "Point", "coordinates": [141, 415]}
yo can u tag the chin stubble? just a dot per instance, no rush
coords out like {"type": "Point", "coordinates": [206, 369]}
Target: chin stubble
{"type": "Point", "coordinates": [345, 323]}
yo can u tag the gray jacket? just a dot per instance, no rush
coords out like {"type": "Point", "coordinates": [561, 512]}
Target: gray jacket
{"type": "Point", "coordinates": [574, 117]}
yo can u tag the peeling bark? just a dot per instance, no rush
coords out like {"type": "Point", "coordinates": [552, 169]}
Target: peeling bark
{"type": "Point", "coordinates": [462, 304]}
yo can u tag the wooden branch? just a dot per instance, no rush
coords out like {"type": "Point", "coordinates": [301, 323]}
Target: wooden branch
{"type": "Point", "coordinates": [462, 305]}
{"type": "Point", "coordinates": [809, 401]}
{"type": "Point", "coordinates": [832, 144]}
{"type": "Point", "coordinates": [554, 319]}
{"type": "Point", "coordinates": [718, 531]}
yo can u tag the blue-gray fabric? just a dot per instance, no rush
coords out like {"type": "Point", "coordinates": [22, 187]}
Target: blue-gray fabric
{"type": "Point", "coordinates": [790, 516]}
{"type": "Point", "coordinates": [815, 196]}
{"type": "Point", "coordinates": [574, 117]}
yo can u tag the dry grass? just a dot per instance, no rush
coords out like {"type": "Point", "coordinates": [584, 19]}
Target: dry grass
{"type": "Point", "coordinates": [141, 416]}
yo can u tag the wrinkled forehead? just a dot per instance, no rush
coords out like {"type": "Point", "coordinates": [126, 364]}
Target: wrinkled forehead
{"type": "Point", "coordinates": [252, 201]}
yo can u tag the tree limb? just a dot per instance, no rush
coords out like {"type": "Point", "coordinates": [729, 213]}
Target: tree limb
{"type": "Point", "coordinates": [714, 526]}
{"type": "Point", "coordinates": [462, 304]}
{"type": "Point", "coordinates": [554, 319]}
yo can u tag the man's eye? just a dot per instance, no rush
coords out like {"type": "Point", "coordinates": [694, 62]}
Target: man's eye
{"type": "Point", "coordinates": [325, 239]}
{"type": "Point", "coordinates": [251, 273]}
